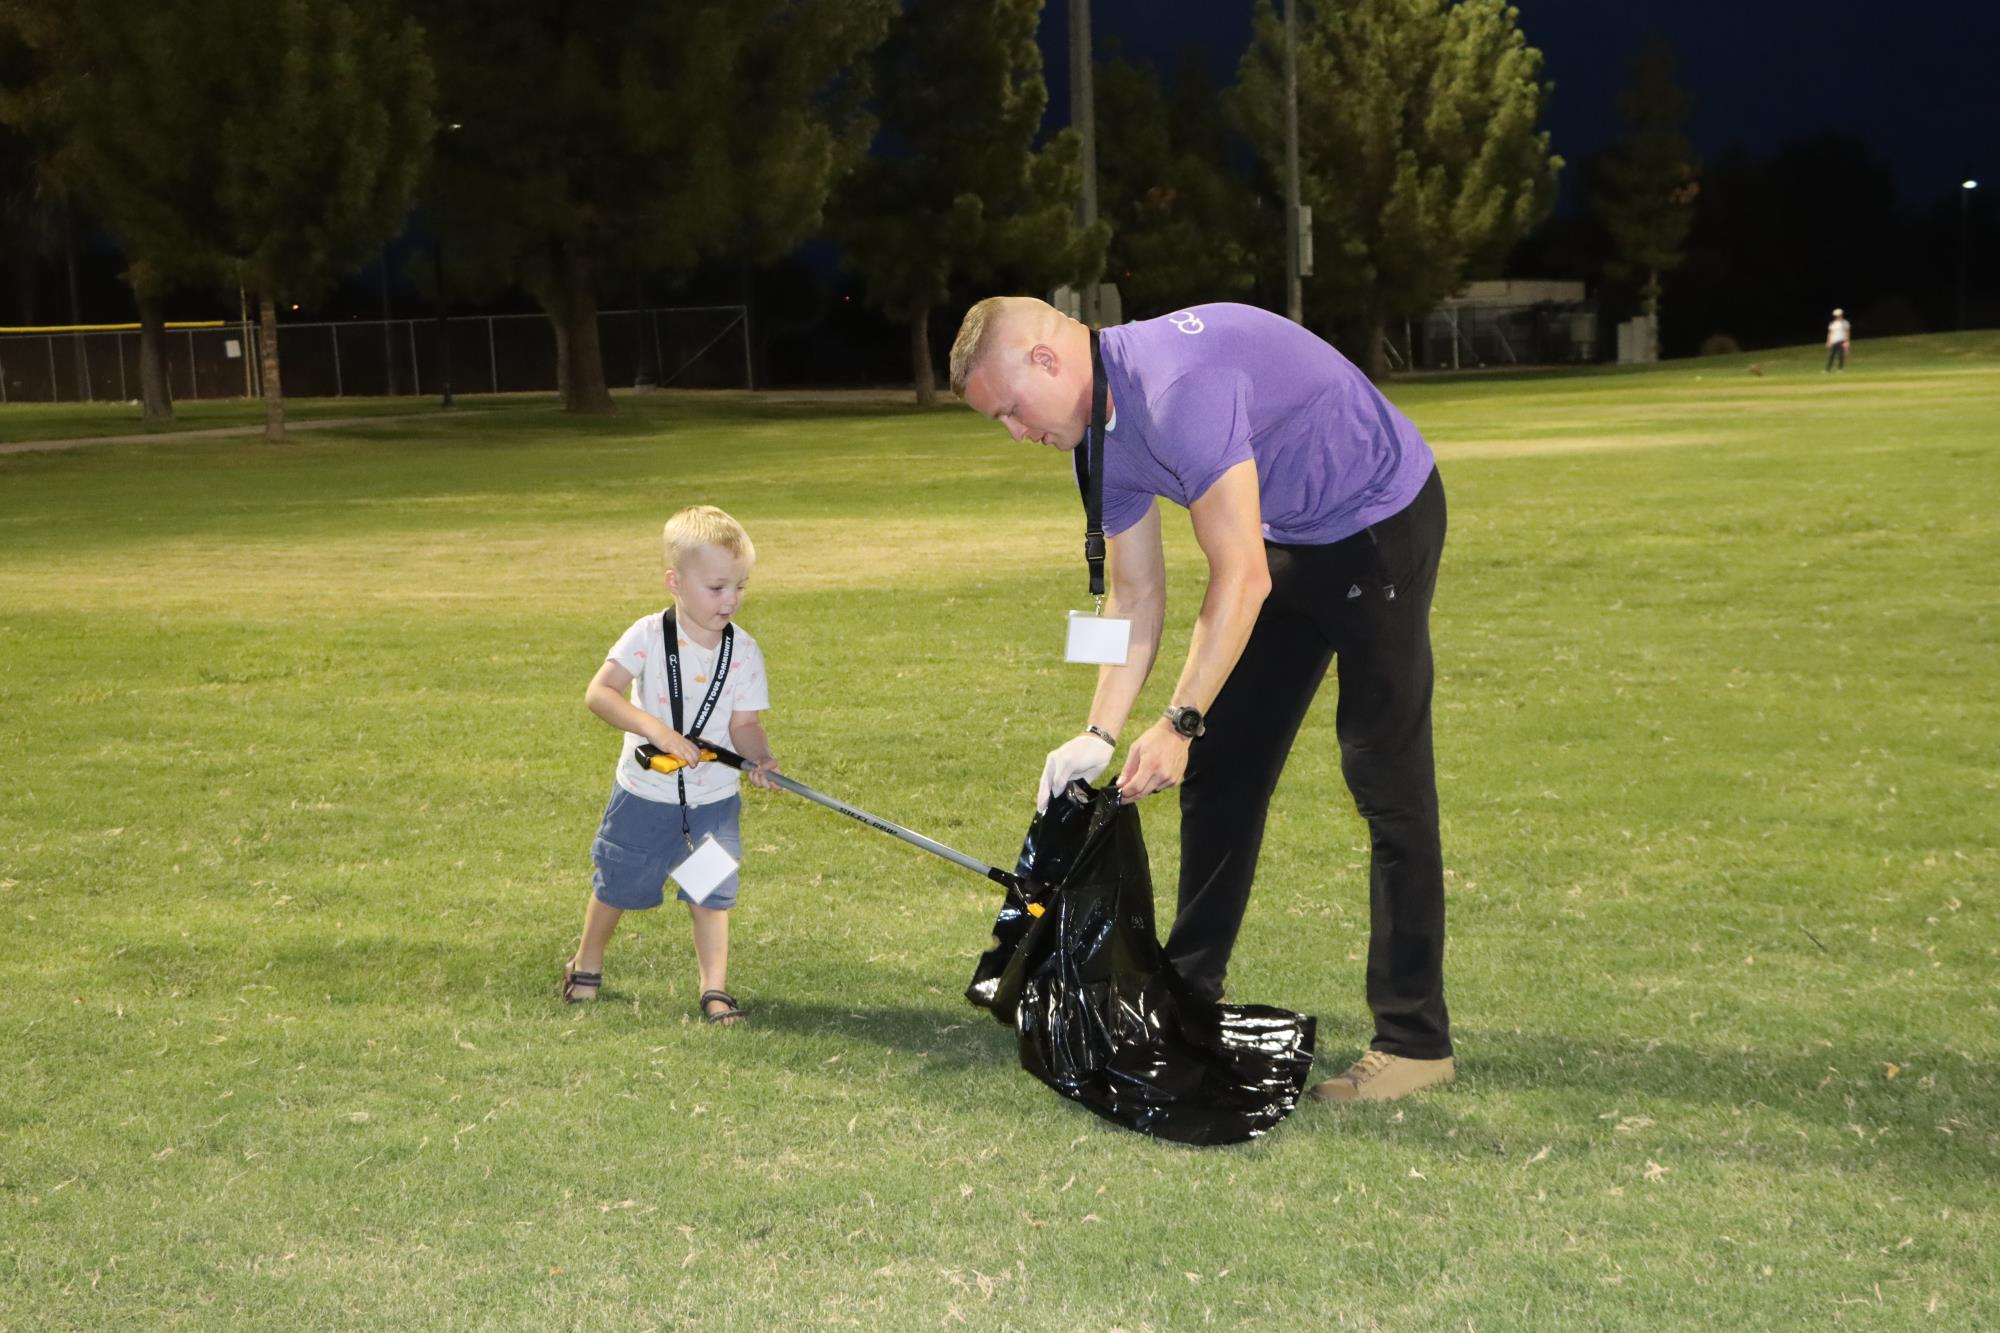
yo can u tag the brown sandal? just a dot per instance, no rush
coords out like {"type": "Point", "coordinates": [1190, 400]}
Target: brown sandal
{"type": "Point", "coordinates": [728, 1015]}
{"type": "Point", "coordinates": [573, 980]}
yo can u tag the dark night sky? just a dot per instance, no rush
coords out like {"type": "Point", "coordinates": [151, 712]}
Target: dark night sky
{"type": "Point", "coordinates": [1918, 80]}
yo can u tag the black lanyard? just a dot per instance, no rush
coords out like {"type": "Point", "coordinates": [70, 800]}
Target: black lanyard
{"type": "Point", "coordinates": [1089, 460]}
{"type": "Point", "coordinates": [671, 632]}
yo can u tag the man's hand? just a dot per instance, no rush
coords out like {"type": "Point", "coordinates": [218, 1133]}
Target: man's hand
{"type": "Point", "coordinates": [1156, 761]}
{"type": "Point", "coordinates": [760, 774]}
{"type": "Point", "coordinates": [1085, 757]}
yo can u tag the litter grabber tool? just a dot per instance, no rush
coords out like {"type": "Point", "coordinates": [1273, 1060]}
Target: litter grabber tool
{"type": "Point", "coordinates": [659, 761]}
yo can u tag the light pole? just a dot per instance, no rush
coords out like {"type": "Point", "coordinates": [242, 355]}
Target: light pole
{"type": "Point", "coordinates": [1295, 308]}
{"type": "Point", "coordinates": [443, 315]}
{"type": "Point", "coordinates": [1965, 190]}
{"type": "Point", "coordinates": [1083, 115]}
{"type": "Point", "coordinates": [388, 329]}
{"type": "Point", "coordinates": [444, 322]}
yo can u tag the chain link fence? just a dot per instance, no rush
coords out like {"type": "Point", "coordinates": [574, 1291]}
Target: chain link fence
{"type": "Point", "coordinates": [702, 347]}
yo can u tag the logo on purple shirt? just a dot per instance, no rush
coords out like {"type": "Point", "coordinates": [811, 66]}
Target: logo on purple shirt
{"type": "Point", "coordinates": [1196, 392]}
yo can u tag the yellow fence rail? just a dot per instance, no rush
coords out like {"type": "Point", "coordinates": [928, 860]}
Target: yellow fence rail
{"type": "Point", "coordinates": [112, 328]}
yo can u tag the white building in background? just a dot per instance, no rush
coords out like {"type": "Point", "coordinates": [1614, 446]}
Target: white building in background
{"type": "Point", "coordinates": [1506, 322]}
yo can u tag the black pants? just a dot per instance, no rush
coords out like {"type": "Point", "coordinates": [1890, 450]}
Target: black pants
{"type": "Point", "coordinates": [1364, 603]}
{"type": "Point", "coordinates": [1836, 353]}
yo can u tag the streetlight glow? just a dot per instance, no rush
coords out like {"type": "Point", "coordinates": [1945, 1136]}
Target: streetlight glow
{"type": "Point", "coordinates": [1965, 189]}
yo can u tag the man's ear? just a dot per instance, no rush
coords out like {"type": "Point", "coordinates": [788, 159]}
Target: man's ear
{"type": "Point", "coordinates": [673, 581]}
{"type": "Point", "coordinates": [1044, 358]}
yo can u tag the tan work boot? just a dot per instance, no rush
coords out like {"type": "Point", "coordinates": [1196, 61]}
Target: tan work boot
{"type": "Point", "coordinates": [1381, 1077]}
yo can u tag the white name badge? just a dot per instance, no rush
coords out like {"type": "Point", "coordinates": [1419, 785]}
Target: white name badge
{"type": "Point", "coordinates": [1104, 640]}
{"type": "Point", "coordinates": [705, 869]}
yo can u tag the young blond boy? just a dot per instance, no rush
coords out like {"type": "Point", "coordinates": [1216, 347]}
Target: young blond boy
{"type": "Point", "coordinates": [654, 821]}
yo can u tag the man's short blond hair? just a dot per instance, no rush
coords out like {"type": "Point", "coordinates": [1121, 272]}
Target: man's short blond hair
{"type": "Point", "coordinates": [705, 525]}
{"type": "Point", "coordinates": [973, 335]}
{"type": "Point", "coordinates": [988, 322]}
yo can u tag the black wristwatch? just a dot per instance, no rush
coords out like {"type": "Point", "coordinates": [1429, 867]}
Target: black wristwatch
{"type": "Point", "coordinates": [1187, 721]}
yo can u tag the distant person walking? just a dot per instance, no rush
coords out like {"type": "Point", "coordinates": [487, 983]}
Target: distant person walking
{"type": "Point", "coordinates": [1836, 341]}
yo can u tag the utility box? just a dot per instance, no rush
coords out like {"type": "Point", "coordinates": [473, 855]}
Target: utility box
{"type": "Point", "coordinates": [1637, 343]}
{"type": "Point", "coordinates": [1110, 307]}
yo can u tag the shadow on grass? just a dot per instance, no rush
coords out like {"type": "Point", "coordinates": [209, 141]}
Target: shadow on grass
{"type": "Point", "coordinates": [951, 1039]}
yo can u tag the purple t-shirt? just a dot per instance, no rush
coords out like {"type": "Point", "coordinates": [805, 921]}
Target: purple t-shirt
{"type": "Point", "coordinates": [1196, 392]}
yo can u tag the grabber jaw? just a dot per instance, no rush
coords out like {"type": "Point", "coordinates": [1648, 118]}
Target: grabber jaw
{"type": "Point", "coordinates": [1025, 906]}
{"type": "Point", "coordinates": [1024, 895]}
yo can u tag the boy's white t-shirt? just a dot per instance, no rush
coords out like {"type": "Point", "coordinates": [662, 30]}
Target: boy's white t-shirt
{"type": "Point", "coordinates": [642, 650]}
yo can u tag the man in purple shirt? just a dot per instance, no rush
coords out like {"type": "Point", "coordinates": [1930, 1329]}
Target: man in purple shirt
{"type": "Point", "coordinates": [1320, 511]}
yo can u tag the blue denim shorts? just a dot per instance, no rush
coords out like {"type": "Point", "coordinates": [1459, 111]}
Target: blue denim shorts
{"type": "Point", "coordinates": [641, 841]}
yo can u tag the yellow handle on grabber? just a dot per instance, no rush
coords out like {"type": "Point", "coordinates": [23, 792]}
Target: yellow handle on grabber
{"type": "Point", "coordinates": [662, 762]}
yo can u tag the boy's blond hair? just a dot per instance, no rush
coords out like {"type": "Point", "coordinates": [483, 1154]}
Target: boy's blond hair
{"type": "Point", "coordinates": [705, 525]}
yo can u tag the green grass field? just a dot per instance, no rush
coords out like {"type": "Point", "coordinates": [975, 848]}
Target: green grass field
{"type": "Point", "coordinates": [298, 790]}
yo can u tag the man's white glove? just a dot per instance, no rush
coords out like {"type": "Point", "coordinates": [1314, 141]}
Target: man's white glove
{"type": "Point", "coordinates": [1085, 757]}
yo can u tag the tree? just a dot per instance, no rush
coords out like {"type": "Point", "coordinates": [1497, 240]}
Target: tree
{"type": "Point", "coordinates": [664, 131]}
{"type": "Point", "coordinates": [1184, 228]}
{"type": "Point", "coordinates": [30, 200]}
{"type": "Point", "coordinates": [59, 101]}
{"type": "Point", "coordinates": [1644, 185]}
{"type": "Point", "coordinates": [47, 88]}
{"type": "Point", "coordinates": [278, 139]}
{"type": "Point", "coordinates": [960, 191]}
{"type": "Point", "coordinates": [1418, 151]}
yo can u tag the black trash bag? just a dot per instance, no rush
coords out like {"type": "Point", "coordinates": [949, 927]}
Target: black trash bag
{"type": "Point", "coordinates": [1103, 1018]}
